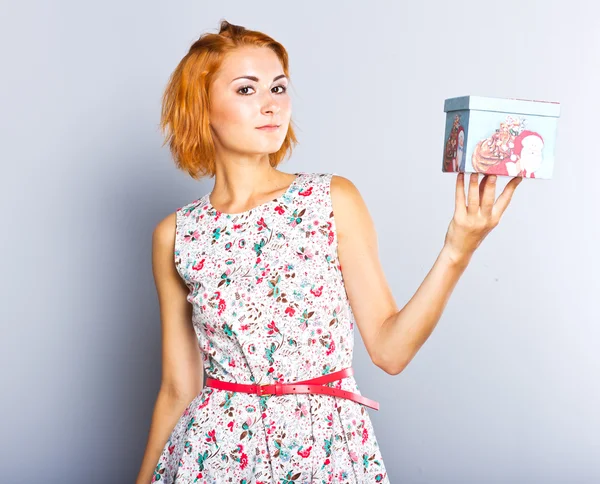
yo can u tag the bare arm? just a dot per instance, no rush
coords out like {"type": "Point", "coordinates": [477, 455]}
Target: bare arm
{"type": "Point", "coordinates": [182, 369]}
{"type": "Point", "coordinates": [393, 337]}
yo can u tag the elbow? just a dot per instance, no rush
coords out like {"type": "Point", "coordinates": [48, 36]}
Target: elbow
{"type": "Point", "coordinates": [391, 368]}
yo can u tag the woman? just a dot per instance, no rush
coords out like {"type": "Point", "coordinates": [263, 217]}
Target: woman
{"type": "Point", "coordinates": [260, 285]}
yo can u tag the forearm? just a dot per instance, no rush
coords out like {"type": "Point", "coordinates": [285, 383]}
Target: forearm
{"type": "Point", "coordinates": [403, 333]}
{"type": "Point", "coordinates": [167, 411]}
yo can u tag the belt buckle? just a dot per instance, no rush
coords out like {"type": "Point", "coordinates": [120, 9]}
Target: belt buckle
{"type": "Point", "coordinates": [261, 394]}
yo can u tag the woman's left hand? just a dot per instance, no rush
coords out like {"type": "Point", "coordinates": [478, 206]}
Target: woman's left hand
{"type": "Point", "coordinates": [473, 221]}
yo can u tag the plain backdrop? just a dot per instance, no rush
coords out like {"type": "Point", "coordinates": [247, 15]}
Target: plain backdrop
{"type": "Point", "coordinates": [506, 389]}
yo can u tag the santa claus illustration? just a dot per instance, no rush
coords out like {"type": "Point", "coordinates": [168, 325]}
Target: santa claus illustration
{"type": "Point", "coordinates": [527, 155]}
{"type": "Point", "coordinates": [454, 150]}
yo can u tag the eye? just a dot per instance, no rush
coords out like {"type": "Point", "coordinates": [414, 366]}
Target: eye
{"type": "Point", "coordinates": [284, 90]}
{"type": "Point", "coordinates": [244, 87]}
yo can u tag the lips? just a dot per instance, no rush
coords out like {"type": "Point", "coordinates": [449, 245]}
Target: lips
{"type": "Point", "coordinates": [269, 126]}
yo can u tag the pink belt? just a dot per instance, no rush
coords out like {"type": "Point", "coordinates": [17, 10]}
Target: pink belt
{"type": "Point", "coordinates": [314, 385]}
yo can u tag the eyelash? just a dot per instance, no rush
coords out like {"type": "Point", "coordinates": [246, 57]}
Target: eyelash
{"type": "Point", "coordinates": [246, 87]}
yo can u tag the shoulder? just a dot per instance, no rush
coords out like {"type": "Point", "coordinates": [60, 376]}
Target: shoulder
{"type": "Point", "coordinates": [348, 205]}
{"type": "Point", "coordinates": [332, 182]}
{"type": "Point", "coordinates": [163, 236]}
{"type": "Point", "coordinates": [166, 229]}
{"type": "Point", "coordinates": [342, 187]}
{"type": "Point", "coordinates": [344, 193]}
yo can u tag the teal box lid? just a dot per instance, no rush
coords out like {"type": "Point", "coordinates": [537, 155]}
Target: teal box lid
{"type": "Point", "coordinates": [503, 105]}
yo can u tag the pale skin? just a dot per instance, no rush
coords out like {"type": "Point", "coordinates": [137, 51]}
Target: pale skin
{"type": "Point", "coordinates": [244, 179]}
{"type": "Point", "coordinates": [391, 336]}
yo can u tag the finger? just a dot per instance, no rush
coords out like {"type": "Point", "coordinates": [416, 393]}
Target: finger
{"type": "Point", "coordinates": [473, 206]}
{"type": "Point", "coordinates": [506, 196]}
{"type": "Point", "coordinates": [482, 185]}
{"type": "Point", "coordinates": [460, 193]}
{"type": "Point", "coordinates": [489, 195]}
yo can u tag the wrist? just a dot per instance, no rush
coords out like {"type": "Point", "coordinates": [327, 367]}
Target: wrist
{"type": "Point", "coordinates": [456, 256]}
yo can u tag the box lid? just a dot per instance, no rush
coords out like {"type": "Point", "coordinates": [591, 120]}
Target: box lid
{"type": "Point", "coordinates": [511, 105]}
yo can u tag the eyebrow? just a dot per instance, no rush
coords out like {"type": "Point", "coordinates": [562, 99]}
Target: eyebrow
{"type": "Point", "coordinates": [255, 79]}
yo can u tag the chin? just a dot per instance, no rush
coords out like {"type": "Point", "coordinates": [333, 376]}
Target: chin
{"type": "Point", "coordinates": [269, 147]}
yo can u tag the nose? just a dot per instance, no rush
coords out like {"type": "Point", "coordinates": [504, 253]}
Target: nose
{"type": "Point", "coordinates": [270, 105]}
{"type": "Point", "coordinates": [271, 108]}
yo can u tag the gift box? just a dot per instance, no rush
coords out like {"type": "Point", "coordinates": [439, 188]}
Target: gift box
{"type": "Point", "coordinates": [506, 137]}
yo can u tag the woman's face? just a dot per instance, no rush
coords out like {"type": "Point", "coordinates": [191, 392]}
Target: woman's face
{"type": "Point", "coordinates": [238, 107]}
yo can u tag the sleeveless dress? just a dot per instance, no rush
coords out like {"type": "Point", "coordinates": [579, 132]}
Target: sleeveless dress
{"type": "Point", "coordinates": [269, 304]}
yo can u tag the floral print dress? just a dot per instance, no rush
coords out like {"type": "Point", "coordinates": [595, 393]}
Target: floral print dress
{"type": "Point", "coordinates": [269, 304]}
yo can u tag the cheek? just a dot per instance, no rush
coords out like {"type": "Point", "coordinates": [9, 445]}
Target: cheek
{"type": "Point", "coordinates": [286, 107]}
{"type": "Point", "coordinates": [230, 113]}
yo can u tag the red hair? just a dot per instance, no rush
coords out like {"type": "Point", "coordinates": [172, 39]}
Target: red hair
{"type": "Point", "coordinates": [185, 103]}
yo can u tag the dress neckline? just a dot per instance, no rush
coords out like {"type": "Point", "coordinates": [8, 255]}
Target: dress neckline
{"type": "Point", "coordinates": [259, 206]}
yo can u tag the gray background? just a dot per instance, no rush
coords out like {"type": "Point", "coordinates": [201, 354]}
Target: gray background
{"type": "Point", "coordinates": [506, 388]}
